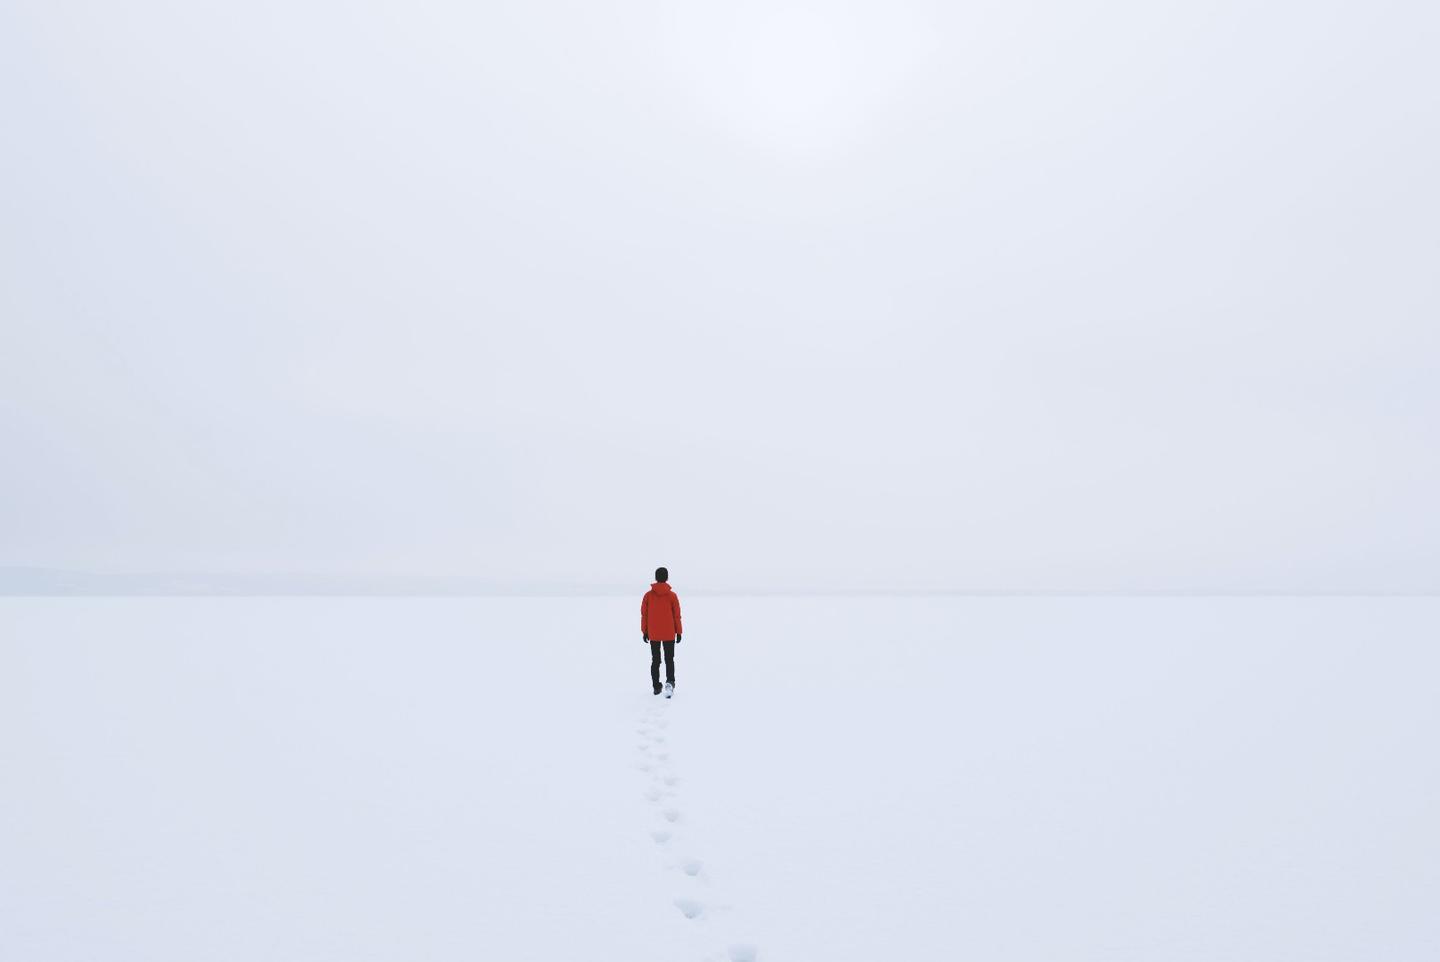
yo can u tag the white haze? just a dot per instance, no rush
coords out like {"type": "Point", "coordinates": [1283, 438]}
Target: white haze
{"type": "Point", "coordinates": [1114, 296]}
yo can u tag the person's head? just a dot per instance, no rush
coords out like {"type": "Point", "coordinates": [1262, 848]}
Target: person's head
{"type": "Point", "coordinates": [662, 574]}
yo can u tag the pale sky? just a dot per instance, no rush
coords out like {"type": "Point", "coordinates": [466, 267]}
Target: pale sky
{"type": "Point", "coordinates": [1114, 295]}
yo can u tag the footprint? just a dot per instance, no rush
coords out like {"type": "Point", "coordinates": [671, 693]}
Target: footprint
{"type": "Point", "coordinates": [653, 794]}
{"type": "Point", "coordinates": [662, 756]}
{"type": "Point", "coordinates": [691, 866]}
{"type": "Point", "coordinates": [660, 836]}
{"type": "Point", "coordinates": [743, 952]}
{"type": "Point", "coordinates": [671, 814]}
{"type": "Point", "coordinates": [689, 908]}
{"type": "Point", "coordinates": [672, 780]}
{"type": "Point", "coordinates": [644, 766]}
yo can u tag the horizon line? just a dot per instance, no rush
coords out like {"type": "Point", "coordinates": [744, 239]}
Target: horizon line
{"type": "Point", "coordinates": [27, 581]}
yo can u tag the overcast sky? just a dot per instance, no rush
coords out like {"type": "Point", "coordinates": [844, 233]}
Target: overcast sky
{"type": "Point", "coordinates": [1119, 295]}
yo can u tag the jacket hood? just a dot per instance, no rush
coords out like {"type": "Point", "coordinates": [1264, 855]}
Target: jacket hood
{"type": "Point", "coordinates": [660, 586]}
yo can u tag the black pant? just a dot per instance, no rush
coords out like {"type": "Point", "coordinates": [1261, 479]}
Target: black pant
{"type": "Point", "coordinates": [655, 647]}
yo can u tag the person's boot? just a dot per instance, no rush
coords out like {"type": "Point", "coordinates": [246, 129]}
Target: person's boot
{"type": "Point", "coordinates": [669, 690]}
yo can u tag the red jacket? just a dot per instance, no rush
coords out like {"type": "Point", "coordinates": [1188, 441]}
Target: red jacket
{"type": "Point", "coordinates": [660, 613]}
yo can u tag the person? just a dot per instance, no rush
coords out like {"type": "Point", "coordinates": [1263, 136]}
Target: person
{"type": "Point", "coordinates": [660, 627]}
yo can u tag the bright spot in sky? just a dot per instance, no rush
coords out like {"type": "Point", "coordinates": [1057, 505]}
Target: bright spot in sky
{"type": "Point", "coordinates": [798, 78]}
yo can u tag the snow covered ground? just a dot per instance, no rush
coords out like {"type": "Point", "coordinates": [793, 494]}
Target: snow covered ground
{"type": "Point", "coordinates": [837, 779]}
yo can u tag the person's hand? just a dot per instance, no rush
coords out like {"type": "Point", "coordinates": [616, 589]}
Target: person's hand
{"type": "Point", "coordinates": [677, 637]}
{"type": "Point", "coordinates": [645, 637]}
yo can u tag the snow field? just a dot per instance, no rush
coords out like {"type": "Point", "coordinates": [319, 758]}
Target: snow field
{"type": "Point", "coordinates": [836, 779]}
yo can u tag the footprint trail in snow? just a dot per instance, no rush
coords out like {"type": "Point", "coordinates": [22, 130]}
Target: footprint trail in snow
{"type": "Point", "coordinates": [667, 814]}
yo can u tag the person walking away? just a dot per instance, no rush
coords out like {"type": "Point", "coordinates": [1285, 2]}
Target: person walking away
{"type": "Point", "coordinates": [660, 627]}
